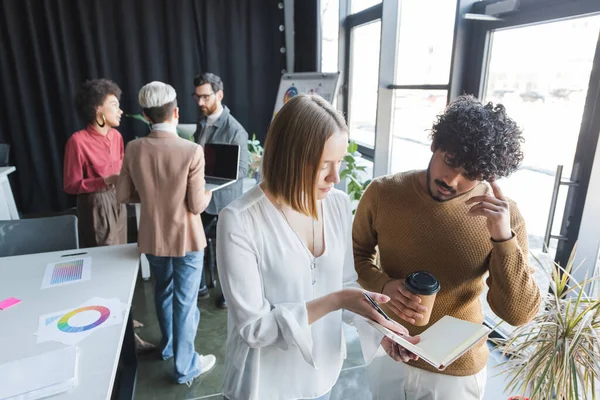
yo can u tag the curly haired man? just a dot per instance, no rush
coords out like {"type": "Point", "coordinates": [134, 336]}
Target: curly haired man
{"type": "Point", "coordinates": [453, 221]}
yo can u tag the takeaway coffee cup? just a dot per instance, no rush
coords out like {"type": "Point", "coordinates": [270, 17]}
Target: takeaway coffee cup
{"type": "Point", "coordinates": [426, 286]}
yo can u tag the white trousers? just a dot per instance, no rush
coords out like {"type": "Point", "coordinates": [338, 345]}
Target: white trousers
{"type": "Point", "coordinates": [391, 380]}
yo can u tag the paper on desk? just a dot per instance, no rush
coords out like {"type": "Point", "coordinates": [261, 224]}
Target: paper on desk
{"type": "Point", "coordinates": [39, 376]}
{"type": "Point", "coordinates": [67, 271]}
{"type": "Point", "coordinates": [73, 325]}
{"type": "Point", "coordinates": [7, 303]}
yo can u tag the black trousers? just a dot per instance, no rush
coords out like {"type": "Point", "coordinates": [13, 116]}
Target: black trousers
{"type": "Point", "coordinates": [209, 222]}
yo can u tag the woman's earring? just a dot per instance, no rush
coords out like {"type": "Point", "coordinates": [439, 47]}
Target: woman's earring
{"type": "Point", "coordinates": [101, 125]}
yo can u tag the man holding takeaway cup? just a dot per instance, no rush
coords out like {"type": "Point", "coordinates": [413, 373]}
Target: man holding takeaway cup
{"type": "Point", "coordinates": [439, 232]}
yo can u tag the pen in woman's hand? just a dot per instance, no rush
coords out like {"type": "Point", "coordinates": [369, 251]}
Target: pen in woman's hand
{"type": "Point", "coordinates": [376, 306]}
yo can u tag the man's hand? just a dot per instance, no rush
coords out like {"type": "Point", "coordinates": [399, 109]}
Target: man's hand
{"type": "Point", "coordinates": [111, 180]}
{"type": "Point", "coordinates": [403, 302]}
{"type": "Point", "coordinates": [495, 208]}
{"type": "Point", "coordinates": [398, 352]}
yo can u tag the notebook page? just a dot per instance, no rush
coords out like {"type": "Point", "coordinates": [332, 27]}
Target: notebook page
{"type": "Point", "coordinates": [449, 337]}
{"type": "Point", "coordinates": [414, 348]}
{"type": "Point", "coordinates": [443, 342]}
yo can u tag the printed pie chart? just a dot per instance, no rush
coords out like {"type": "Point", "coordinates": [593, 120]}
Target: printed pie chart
{"type": "Point", "coordinates": [63, 323]}
{"type": "Point", "coordinates": [289, 93]}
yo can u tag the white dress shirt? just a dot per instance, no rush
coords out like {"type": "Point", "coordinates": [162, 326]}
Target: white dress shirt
{"type": "Point", "coordinates": [264, 269]}
{"type": "Point", "coordinates": [165, 127]}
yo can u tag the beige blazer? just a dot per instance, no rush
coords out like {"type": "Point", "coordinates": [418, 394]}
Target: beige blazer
{"type": "Point", "coordinates": [166, 175]}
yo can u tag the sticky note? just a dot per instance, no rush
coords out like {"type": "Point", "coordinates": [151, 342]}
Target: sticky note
{"type": "Point", "coordinates": [11, 301]}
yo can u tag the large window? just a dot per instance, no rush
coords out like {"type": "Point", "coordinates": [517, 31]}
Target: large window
{"type": "Point", "coordinates": [360, 5]}
{"type": "Point", "coordinates": [541, 61]}
{"type": "Point", "coordinates": [413, 115]}
{"type": "Point", "coordinates": [330, 26]}
{"type": "Point", "coordinates": [544, 92]}
{"type": "Point", "coordinates": [423, 59]}
{"type": "Point", "coordinates": [364, 81]}
{"type": "Point", "coordinates": [425, 49]}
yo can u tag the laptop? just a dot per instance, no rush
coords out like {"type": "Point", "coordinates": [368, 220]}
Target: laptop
{"type": "Point", "coordinates": [221, 168]}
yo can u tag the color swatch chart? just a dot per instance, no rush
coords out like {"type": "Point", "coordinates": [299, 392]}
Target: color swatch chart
{"type": "Point", "coordinates": [70, 326]}
{"type": "Point", "coordinates": [67, 271]}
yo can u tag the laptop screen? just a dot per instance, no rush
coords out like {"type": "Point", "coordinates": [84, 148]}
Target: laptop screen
{"type": "Point", "coordinates": [221, 160]}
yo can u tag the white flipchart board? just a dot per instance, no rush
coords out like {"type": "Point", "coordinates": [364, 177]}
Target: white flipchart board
{"type": "Point", "coordinates": [323, 84]}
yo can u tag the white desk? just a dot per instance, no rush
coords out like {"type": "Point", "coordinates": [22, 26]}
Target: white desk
{"type": "Point", "coordinates": [114, 272]}
{"type": "Point", "coordinates": [8, 208]}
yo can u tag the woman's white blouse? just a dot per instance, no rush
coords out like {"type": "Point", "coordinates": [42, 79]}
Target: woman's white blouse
{"type": "Point", "coordinates": [264, 270]}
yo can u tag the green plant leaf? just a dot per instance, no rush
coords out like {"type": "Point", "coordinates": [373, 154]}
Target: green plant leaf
{"type": "Point", "coordinates": [139, 117]}
{"type": "Point", "coordinates": [556, 354]}
{"type": "Point", "coordinates": [355, 181]}
{"type": "Point", "coordinates": [182, 135]}
{"type": "Point", "coordinates": [352, 147]}
{"type": "Point", "coordinates": [254, 147]}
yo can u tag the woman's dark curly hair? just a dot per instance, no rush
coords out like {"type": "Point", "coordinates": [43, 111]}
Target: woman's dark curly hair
{"type": "Point", "coordinates": [92, 94]}
{"type": "Point", "coordinates": [481, 139]}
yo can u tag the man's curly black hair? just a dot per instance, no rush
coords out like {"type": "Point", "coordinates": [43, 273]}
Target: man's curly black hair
{"type": "Point", "coordinates": [482, 139]}
{"type": "Point", "coordinates": [92, 94]}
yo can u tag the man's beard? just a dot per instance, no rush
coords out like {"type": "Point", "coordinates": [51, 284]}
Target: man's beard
{"type": "Point", "coordinates": [208, 111]}
{"type": "Point", "coordinates": [442, 184]}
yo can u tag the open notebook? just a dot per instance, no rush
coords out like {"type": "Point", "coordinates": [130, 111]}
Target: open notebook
{"type": "Point", "coordinates": [443, 342]}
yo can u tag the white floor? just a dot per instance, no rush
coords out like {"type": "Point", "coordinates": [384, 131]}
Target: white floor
{"type": "Point", "coordinates": [494, 388]}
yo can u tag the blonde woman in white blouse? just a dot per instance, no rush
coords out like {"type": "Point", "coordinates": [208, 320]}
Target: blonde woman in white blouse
{"type": "Point", "coordinates": [284, 255]}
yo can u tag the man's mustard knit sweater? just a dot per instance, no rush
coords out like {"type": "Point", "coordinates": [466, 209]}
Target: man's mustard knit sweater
{"type": "Point", "coordinates": [413, 232]}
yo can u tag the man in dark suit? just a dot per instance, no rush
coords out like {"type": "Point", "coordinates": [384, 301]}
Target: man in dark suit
{"type": "Point", "coordinates": [217, 125]}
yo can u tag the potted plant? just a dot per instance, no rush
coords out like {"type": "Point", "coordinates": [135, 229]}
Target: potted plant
{"type": "Point", "coordinates": [141, 118]}
{"type": "Point", "coordinates": [354, 174]}
{"type": "Point", "coordinates": [557, 354]}
{"type": "Point", "coordinates": [255, 152]}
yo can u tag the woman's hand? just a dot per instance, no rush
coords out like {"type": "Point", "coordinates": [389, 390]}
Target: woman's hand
{"type": "Point", "coordinates": [354, 300]}
{"type": "Point", "coordinates": [398, 352]}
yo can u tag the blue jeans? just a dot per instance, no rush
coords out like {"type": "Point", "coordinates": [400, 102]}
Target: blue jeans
{"type": "Point", "coordinates": [178, 318]}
